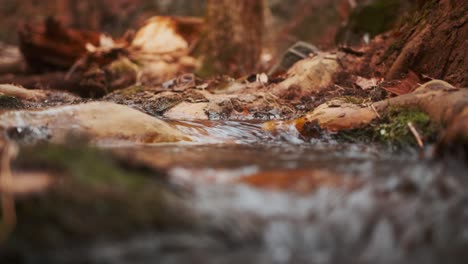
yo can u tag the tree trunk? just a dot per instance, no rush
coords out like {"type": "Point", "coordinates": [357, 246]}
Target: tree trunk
{"type": "Point", "coordinates": [433, 43]}
{"type": "Point", "coordinates": [233, 40]}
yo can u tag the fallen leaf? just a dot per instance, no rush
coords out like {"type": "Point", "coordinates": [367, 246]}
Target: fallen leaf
{"type": "Point", "coordinates": [405, 85]}
{"type": "Point", "coordinates": [366, 83]}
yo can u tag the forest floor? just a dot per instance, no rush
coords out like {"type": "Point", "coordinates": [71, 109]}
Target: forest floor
{"type": "Point", "coordinates": [128, 156]}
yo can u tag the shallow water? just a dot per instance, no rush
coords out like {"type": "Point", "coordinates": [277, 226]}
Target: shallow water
{"type": "Point", "coordinates": [381, 206]}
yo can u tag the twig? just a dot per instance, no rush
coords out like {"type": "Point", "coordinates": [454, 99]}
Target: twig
{"type": "Point", "coordinates": [375, 110]}
{"type": "Point", "coordinates": [416, 134]}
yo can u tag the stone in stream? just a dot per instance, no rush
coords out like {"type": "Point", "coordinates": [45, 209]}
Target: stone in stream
{"type": "Point", "coordinates": [101, 122]}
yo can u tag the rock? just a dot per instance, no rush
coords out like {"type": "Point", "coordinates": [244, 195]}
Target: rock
{"type": "Point", "coordinates": [333, 116]}
{"type": "Point", "coordinates": [338, 115]}
{"type": "Point", "coordinates": [101, 122]}
{"type": "Point", "coordinates": [313, 73]}
{"type": "Point", "coordinates": [21, 93]}
{"type": "Point", "coordinates": [187, 111]}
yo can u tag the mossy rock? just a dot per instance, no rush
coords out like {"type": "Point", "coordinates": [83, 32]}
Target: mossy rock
{"type": "Point", "coordinates": [393, 128]}
{"type": "Point", "coordinates": [95, 198]}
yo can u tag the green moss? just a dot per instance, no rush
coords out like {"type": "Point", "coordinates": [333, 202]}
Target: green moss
{"type": "Point", "coordinates": [87, 165]}
{"type": "Point", "coordinates": [393, 128]}
{"type": "Point", "coordinates": [353, 99]}
{"type": "Point", "coordinates": [132, 90]}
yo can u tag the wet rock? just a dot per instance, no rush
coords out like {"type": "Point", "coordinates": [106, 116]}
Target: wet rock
{"type": "Point", "coordinates": [162, 102]}
{"type": "Point", "coordinates": [335, 115]}
{"type": "Point", "coordinates": [187, 111]}
{"type": "Point", "coordinates": [17, 97]}
{"type": "Point", "coordinates": [195, 97]}
{"type": "Point", "coordinates": [219, 110]}
{"type": "Point", "coordinates": [100, 122]}
{"type": "Point", "coordinates": [331, 116]}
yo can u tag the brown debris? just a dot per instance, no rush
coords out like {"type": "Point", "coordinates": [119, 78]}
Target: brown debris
{"type": "Point", "coordinates": [97, 64]}
{"type": "Point", "coordinates": [403, 86]}
{"type": "Point", "coordinates": [165, 34]}
{"type": "Point", "coordinates": [54, 46]}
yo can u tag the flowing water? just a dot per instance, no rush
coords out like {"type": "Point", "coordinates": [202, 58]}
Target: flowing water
{"type": "Point", "coordinates": [281, 199]}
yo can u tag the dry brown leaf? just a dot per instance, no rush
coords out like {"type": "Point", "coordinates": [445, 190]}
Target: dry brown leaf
{"type": "Point", "coordinates": [366, 83]}
{"type": "Point", "coordinates": [405, 85]}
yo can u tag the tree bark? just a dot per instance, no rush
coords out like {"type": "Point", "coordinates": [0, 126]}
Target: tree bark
{"type": "Point", "coordinates": [233, 40]}
{"type": "Point", "coordinates": [433, 43]}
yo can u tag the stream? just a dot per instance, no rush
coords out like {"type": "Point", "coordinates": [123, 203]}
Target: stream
{"type": "Point", "coordinates": [281, 199]}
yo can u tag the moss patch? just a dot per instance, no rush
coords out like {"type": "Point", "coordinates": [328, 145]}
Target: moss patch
{"type": "Point", "coordinates": [353, 99]}
{"type": "Point", "coordinates": [130, 91]}
{"type": "Point", "coordinates": [393, 128]}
